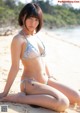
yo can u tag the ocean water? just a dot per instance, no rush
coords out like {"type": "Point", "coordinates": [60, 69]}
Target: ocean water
{"type": "Point", "coordinates": [70, 34]}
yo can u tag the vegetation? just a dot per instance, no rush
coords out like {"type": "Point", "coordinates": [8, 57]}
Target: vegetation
{"type": "Point", "coordinates": [57, 16]}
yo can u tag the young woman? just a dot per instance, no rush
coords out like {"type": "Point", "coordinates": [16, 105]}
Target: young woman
{"type": "Point", "coordinates": [38, 87]}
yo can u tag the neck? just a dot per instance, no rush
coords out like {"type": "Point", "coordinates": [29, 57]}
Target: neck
{"type": "Point", "coordinates": [28, 32]}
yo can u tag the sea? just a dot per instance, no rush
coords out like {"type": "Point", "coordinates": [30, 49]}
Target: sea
{"type": "Point", "coordinates": [70, 34]}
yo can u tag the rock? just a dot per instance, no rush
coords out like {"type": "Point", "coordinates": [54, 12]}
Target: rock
{"type": "Point", "coordinates": [8, 32]}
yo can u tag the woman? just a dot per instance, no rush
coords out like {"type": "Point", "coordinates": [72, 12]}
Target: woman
{"type": "Point", "coordinates": [37, 85]}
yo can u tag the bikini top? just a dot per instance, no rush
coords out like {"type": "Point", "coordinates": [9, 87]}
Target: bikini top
{"type": "Point", "coordinates": [32, 50]}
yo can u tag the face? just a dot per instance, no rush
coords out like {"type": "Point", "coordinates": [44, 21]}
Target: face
{"type": "Point", "coordinates": [32, 23]}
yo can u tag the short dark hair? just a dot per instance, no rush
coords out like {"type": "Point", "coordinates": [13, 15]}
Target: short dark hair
{"type": "Point", "coordinates": [31, 10]}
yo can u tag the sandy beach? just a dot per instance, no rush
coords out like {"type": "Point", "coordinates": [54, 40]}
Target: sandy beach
{"type": "Point", "coordinates": [64, 61]}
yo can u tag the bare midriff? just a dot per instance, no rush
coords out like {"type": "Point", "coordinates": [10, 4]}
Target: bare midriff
{"type": "Point", "coordinates": [34, 69]}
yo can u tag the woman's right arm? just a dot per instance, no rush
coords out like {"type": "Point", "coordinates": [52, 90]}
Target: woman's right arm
{"type": "Point", "coordinates": [15, 57]}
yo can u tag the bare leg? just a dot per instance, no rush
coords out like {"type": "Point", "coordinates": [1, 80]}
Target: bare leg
{"type": "Point", "coordinates": [73, 95]}
{"type": "Point", "coordinates": [41, 95]}
{"type": "Point", "coordinates": [42, 100]}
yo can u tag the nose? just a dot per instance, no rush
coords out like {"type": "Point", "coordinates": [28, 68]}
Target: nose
{"type": "Point", "coordinates": [33, 22]}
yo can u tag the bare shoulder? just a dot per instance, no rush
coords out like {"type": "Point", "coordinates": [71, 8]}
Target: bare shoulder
{"type": "Point", "coordinates": [16, 46]}
{"type": "Point", "coordinates": [17, 40]}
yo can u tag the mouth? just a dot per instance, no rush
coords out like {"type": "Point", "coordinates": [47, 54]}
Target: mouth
{"type": "Point", "coordinates": [31, 27]}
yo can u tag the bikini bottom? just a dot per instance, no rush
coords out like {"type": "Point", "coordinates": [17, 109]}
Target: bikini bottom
{"type": "Point", "coordinates": [32, 80]}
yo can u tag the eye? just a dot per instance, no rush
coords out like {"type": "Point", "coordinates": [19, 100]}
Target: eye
{"type": "Point", "coordinates": [33, 19]}
{"type": "Point", "coordinates": [30, 18]}
{"type": "Point", "coordinates": [36, 19]}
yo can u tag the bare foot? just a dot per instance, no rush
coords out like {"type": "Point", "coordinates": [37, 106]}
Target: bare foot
{"type": "Point", "coordinates": [12, 97]}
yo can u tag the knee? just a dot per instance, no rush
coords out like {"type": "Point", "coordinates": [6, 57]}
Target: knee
{"type": "Point", "coordinates": [63, 104]}
{"type": "Point", "coordinates": [76, 98]}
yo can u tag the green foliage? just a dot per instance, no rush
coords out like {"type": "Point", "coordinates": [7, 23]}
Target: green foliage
{"type": "Point", "coordinates": [57, 16]}
{"type": "Point", "coordinates": [10, 3]}
{"type": "Point", "coordinates": [63, 16]}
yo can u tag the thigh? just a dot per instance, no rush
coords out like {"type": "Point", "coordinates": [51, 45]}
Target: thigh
{"type": "Point", "coordinates": [34, 87]}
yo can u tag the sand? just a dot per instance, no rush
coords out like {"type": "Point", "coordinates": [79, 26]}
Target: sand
{"type": "Point", "coordinates": [63, 58]}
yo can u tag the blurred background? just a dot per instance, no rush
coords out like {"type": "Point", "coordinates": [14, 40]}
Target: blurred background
{"type": "Point", "coordinates": [56, 14]}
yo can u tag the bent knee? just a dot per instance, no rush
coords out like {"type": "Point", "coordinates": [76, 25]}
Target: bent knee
{"type": "Point", "coordinates": [63, 104]}
{"type": "Point", "coordinates": [76, 98]}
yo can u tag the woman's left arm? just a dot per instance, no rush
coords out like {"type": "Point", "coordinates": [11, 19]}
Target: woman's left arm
{"type": "Point", "coordinates": [49, 72]}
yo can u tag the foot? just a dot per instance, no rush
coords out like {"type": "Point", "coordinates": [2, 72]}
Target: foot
{"type": "Point", "coordinates": [12, 97]}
